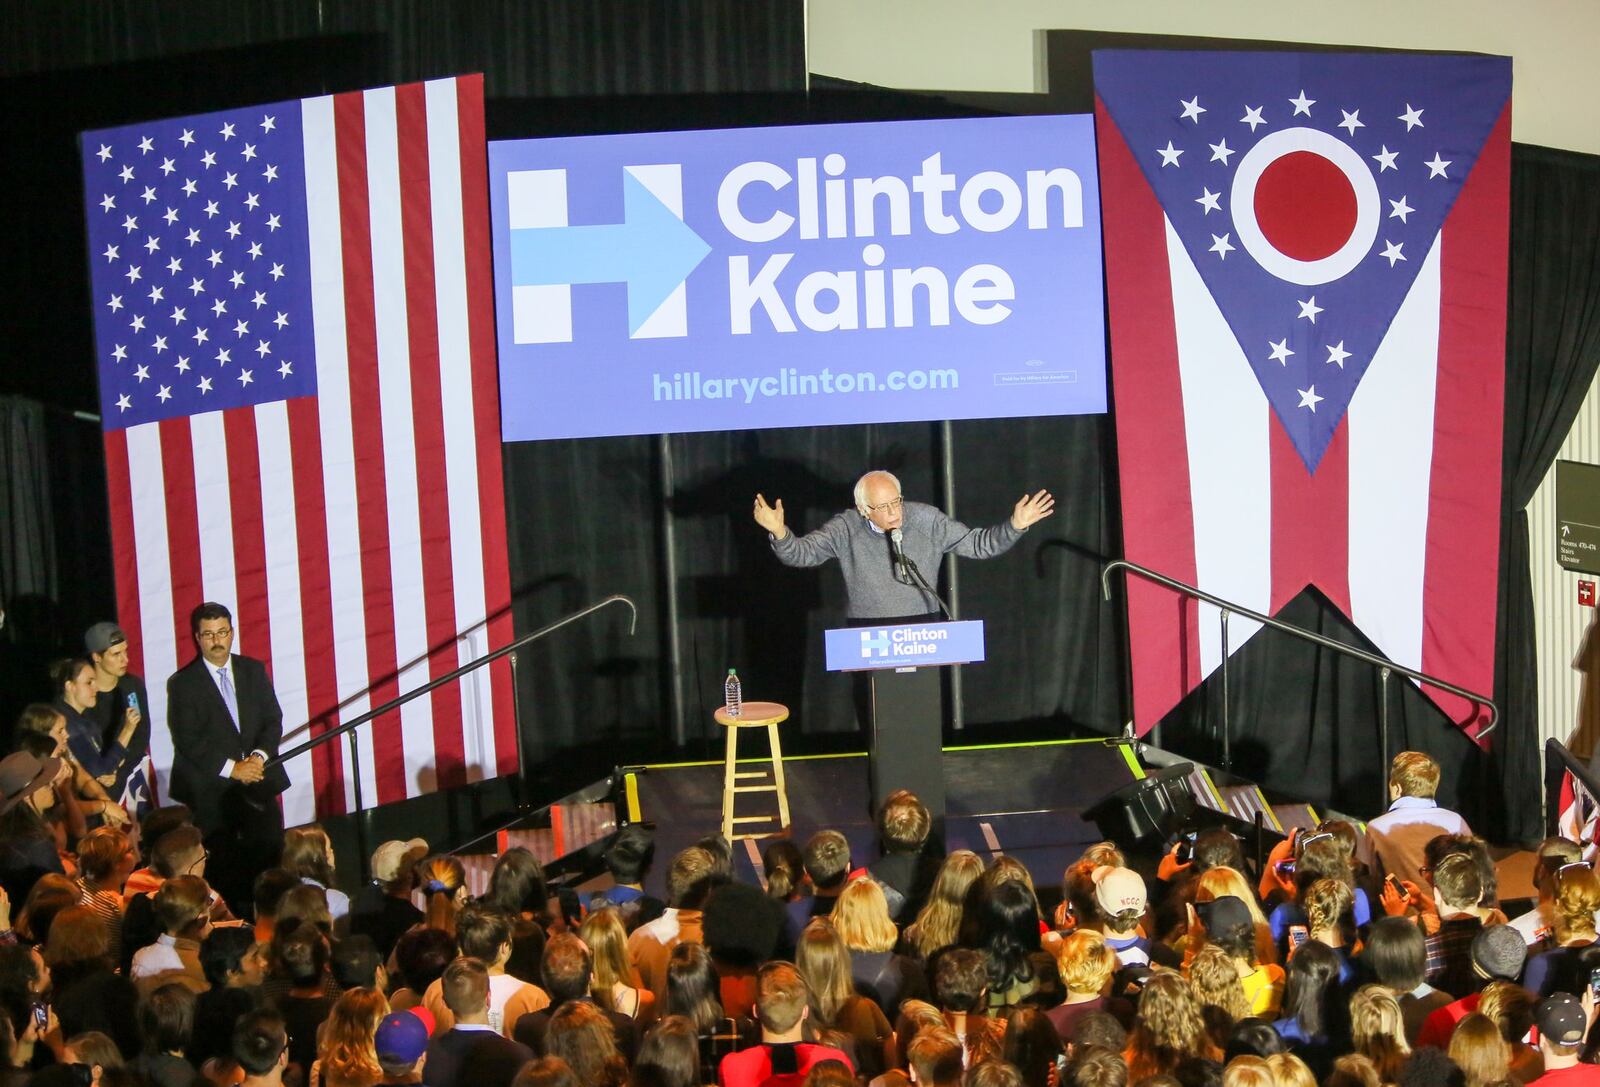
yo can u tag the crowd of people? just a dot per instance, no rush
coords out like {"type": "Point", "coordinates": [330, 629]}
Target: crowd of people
{"type": "Point", "coordinates": [1356, 957]}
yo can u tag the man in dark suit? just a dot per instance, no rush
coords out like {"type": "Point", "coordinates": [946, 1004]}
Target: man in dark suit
{"type": "Point", "coordinates": [472, 1053]}
{"type": "Point", "coordinates": [226, 724]}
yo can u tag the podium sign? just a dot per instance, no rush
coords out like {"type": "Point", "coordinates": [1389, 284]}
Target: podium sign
{"type": "Point", "coordinates": [907, 645]}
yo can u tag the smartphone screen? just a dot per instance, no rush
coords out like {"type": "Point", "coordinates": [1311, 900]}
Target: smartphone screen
{"type": "Point", "coordinates": [1594, 982]}
{"type": "Point", "coordinates": [41, 1017]}
{"type": "Point", "coordinates": [1397, 886]}
{"type": "Point", "coordinates": [1298, 934]}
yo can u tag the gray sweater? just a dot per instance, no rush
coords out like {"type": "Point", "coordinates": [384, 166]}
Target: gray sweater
{"type": "Point", "coordinates": [864, 556]}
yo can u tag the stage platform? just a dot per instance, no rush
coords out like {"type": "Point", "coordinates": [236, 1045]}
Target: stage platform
{"type": "Point", "coordinates": [1025, 800]}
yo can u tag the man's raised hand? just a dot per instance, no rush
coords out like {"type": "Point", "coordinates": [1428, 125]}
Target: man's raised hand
{"type": "Point", "coordinates": [771, 517]}
{"type": "Point", "coordinates": [1031, 509]}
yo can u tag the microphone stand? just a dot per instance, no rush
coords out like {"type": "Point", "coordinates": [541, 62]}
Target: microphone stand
{"type": "Point", "coordinates": [916, 574]}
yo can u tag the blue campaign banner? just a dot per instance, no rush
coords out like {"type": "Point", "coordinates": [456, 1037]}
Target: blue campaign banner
{"type": "Point", "coordinates": [910, 645]}
{"type": "Point", "coordinates": [797, 276]}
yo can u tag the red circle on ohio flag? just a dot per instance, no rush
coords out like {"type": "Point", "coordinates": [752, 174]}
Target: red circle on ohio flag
{"type": "Point", "coordinates": [1306, 205]}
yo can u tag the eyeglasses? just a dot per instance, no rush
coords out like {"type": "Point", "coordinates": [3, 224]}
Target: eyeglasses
{"type": "Point", "coordinates": [215, 635]}
{"type": "Point", "coordinates": [887, 507]}
{"type": "Point", "coordinates": [201, 859]}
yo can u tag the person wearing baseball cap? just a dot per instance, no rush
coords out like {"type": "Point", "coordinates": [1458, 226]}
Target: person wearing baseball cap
{"type": "Point", "coordinates": [1227, 922]}
{"type": "Point", "coordinates": [402, 1045]}
{"type": "Point", "coordinates": [1119, 902]}
{"type": "Point", "coordinates": [122, 696]}
{"type": "Point", "coordinates": [383, 909]}
{"type": "Point", "coordinates": [1563, 1022]}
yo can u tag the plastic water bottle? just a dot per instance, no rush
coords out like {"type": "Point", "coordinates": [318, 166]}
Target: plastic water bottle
{"type": "Point", "coordinates": [731, 695]}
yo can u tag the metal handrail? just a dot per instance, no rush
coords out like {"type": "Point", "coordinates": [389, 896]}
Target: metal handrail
{"type": "Point", "coordinates": [1385, 666]}
{"type": "Point", "coordinates": [450, 677]}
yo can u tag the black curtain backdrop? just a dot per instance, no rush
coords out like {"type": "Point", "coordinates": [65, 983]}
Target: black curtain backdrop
{"type": "Point", "coordinates": [665, 519]}
{"type": "Point", "coordinates": [1552, 351]}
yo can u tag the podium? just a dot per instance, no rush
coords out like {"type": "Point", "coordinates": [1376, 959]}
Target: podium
{"type": "Point", "coordinates": [907, 705]}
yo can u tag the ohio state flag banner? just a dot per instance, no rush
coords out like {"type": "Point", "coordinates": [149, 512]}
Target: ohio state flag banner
{"type": "Point", "coordinates": [1306, 276]}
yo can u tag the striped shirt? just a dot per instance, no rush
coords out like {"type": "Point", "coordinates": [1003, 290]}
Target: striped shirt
{"type": "Point", "coordinates": [108, 908]}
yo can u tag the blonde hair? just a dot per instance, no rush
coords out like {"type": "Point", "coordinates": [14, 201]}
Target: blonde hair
{"type": "Point", "coordinates": [345, 1043]}
{"type": "Point", "coordinates": [443, 880]}
{"type": "Point", "coordinates": [1222, 882]}
{"type": "Point", "coordinates": [1415, 773]}
{"type": "Point", "coordinates": [1168, 1028]}
{"type": "Point", "coordinates": [1289, 1070]}
{"type": "Point", "coordinates": [861, 918]}
{"type": "Point", "coordinates": [1378, 1031]}
{"type": "Point", "coordinates": [939, 921]}
{"type": "Point", "coordinates": [1085, 962]}
{"type": "Point", "coordinates": [1577, 898]}
{"type": "Point", "coordinates": [1327, 902]}
{"type": "Point", "coordinates": [1215, 981]}
{"type": "Point", "coordinates": [607, 941]}
{"type": "Point", "coordinates": [1247, 1071]}
{"type": "Point", "coordinates": [1483, 1055]}
{"type": "Point", "coordinates": [1510, 1006]}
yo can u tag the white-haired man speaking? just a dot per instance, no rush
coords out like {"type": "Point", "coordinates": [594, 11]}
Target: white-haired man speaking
{"type": "Point", "coordinates": [860, 540]}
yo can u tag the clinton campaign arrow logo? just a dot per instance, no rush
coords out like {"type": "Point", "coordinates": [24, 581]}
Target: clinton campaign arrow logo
{"type": "Point", "coordinates": [652, 251]}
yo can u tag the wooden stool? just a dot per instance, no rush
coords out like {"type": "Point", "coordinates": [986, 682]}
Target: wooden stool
{"type": "Point", "coordinates": [753, 715]}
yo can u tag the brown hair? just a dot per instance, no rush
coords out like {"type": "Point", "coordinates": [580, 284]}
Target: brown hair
{"type": "Point", "coordinates": [76, 935]}
{"type": "Point", "coordinates": [100, 851]}
{"type": "Point", "coordinates": [689, 877]}
{"type": "Point", "coordinates": [465, 987]}
{"type": "Point", "coordinates": [176, 849]}
{"type": "Point", "coordinates": [784, 869]}
{"type": "Point", "coordinates": [992, 1072]}
{"type": "Point", "coordinates": [303, 905]}
{"type": "Point", "coordinates": [827, 858]}
{"type": "Point", "coordinates": [580, 1034]}
{"type": "Point", "coordinates": [1215, 981]}
{"type": "Point", "coordinates": [780, 996]}
{"type": "Point", "coordinates": [1457, 881]}
{"type": "Point", "coordinates": [345, 1042]}
{"type": "Point", "coordinates": [904, 822]}
{"type": "Point", "coordinates": [305, 853]}
{"type": "Point", "coordinates": [1415, 774]}
{"type": "Point", "coordinates": [935, 1057]}
{"type": "Point", "coordinates": [181, 901]}
{"type": "Point", "coordinates": [861, 917]}
{"type": "Point", "coordinates": [939, 922]}
{"type": "Point", "coordinates": [1480, 1051]}
{"type": "Point", "coordinates": [1577, 897]}
{"type": "Point", "coordinates": [1167, 1029]}
{"type": "Point", "coordinates": [824, 963]}
{"type": "Point", "coordinates": [1096, 1066]}
{"type": "Point", "coordinates": [1085, 962]}
{"type": "Point", "coordinates": [482, 930]}
{"type": "Point", "coordinates": [1327, 902]}
{"type": "Point", "coordinates": [1353, 1070]}
{"type": "Point", "coordinates": [547, 1072]}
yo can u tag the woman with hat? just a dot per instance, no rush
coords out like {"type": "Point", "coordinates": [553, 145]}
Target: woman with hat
{"type": "Point", "coordinates": [27, 845]}
{"type": "Point", "coordinates": [43, 731]}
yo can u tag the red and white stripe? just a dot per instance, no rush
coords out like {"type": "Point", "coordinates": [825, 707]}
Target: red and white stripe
{"type": "Point", "coordinates": [358, 536]}
{"type": "Point", "coordinates": [1397, 525]}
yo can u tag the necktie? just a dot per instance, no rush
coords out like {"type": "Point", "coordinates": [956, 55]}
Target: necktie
{"type": "Point", "coordinates": [228, 696]}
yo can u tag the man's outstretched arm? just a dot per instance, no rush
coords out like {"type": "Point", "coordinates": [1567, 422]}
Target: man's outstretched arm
{"type": "Point", "coordinates": [812, 549]}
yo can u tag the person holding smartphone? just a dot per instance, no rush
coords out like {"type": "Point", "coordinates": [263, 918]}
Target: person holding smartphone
{"type": "Point", "coordinates": [123, 697]}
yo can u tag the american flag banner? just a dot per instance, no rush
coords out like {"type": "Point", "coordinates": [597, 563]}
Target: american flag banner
{"type": "Point", "coordinates": [1306, 270]}
{"type": "Point", "coordinates": [293, 315]}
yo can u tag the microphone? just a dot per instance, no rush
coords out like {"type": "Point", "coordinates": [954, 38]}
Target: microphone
{"type": "Point", "coordinates": [895, 536]}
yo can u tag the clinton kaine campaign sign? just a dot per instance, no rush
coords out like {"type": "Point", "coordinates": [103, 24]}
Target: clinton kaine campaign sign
{"type": "Point", "coordinates": [1307, 278]}
{"type": "Point", "coordinates": [747, 278]}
